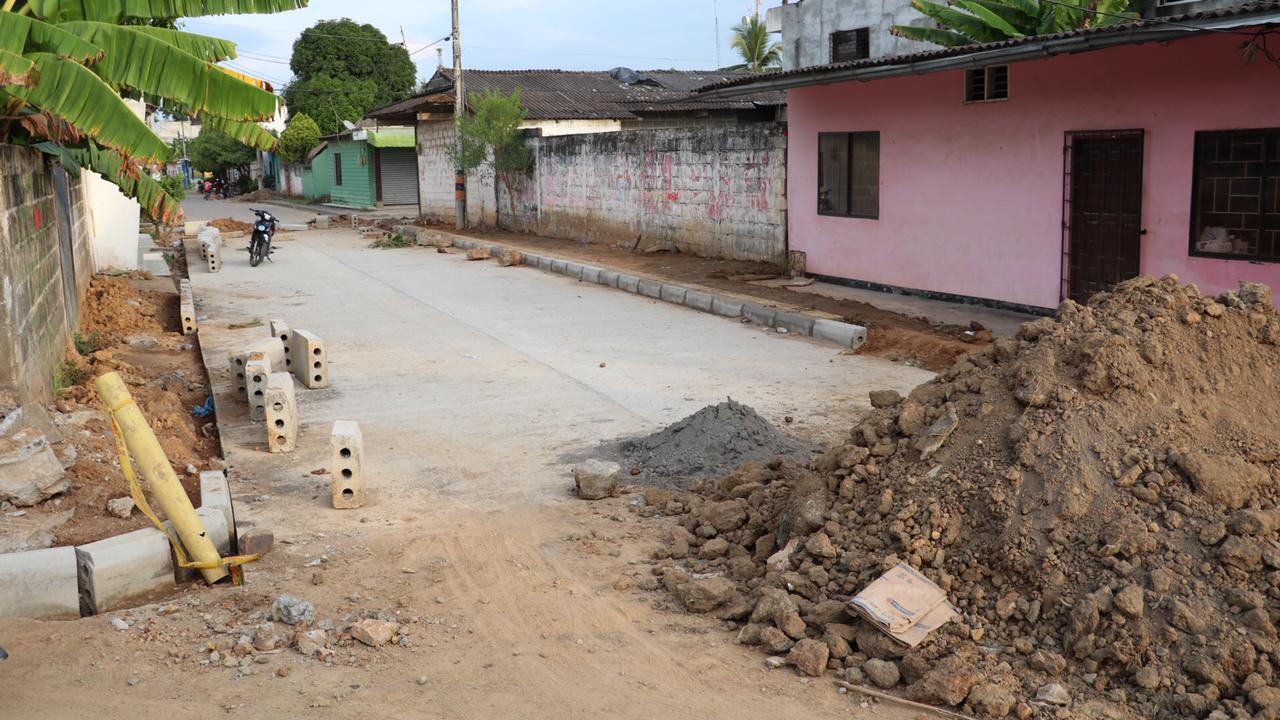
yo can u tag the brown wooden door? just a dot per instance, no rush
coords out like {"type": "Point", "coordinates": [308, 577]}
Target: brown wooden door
{"type": "Point", "coordinates": [1105, 223]}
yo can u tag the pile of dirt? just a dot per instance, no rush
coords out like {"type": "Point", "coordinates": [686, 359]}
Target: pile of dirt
{"type": "Point", "coordinates": [708, 443]}
{"type": "Point", "coordinates": [231, 225]}
{"type": "Point", "coordinates": [135, 331]}
{"type": "Point", "coordinates": [1098, 497]}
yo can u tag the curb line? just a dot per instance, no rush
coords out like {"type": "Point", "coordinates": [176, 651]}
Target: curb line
{"type": "Point", "coordinates": [844, 334]}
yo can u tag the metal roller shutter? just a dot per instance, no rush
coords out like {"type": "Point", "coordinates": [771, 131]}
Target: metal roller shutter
{"type": "Point", "coordinates": [399, 176]}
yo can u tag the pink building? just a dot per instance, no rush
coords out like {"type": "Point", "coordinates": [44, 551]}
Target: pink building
{"type": "Point", "coordinates": [1033, 170]}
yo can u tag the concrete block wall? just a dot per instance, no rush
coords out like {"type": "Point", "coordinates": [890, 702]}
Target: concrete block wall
{"type": "Point", "coordinates": [712, 191]}
{"type": "Point", "coordinates": [717, 191]}
{"type": "Point", "coordinates": [43, 275]}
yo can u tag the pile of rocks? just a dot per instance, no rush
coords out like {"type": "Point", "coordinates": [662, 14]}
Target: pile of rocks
{"type": "Point", "coordinates": [1097, 495]}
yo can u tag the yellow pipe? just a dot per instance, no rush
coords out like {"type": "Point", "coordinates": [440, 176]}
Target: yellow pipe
{"type": "Point", "coordinates": [159, 474]}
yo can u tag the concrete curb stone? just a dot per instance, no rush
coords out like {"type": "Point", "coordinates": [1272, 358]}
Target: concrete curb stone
{"type": "Point", "coordinates": [608, 278]}
{"type": "Point", "coordinates": [649, 288]}
{"type": "Point", "coordinates": [698, 300]}
{"type": "Point", "coordinates": [672, 293]}
{"type": "Point", "coordinates": [726, 308]}
{"type": "Point", "coordinates": [795, 322]}
{"type": "Point", "coordinates": [630, 283]}
{"type": "Point", "coordinates": [760, 314]}
{"type": "Point", "coordinates": [841, 333]}
{"type": "Point", "coordinates": [122, 567]}
{"type": "Point", "coordinates": [573, 270]}
{"type": "Point", "coordinates": [559, 267]}
{"type": "Point", "coordinates": [39, 583]}
{"type": "Point", "coordinates": [591, 274]}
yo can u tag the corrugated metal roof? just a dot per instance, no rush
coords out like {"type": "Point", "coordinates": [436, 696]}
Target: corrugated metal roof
{"type": "Point", "coordinates": [1185, 22]}
{"type": "Point", "coordinates": [580, 95]}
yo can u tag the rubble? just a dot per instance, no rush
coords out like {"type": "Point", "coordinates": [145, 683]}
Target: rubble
{"type": "Point", "coordinates": [121, 507]}
{"type": "Point", "coordinates": [291, 611]}
{"type": "Point", "coordinates": [596, 479]}
{"type": "Point", "coordinates": [1098, 496]}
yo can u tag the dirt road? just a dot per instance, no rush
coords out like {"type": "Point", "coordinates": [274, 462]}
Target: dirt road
{"type": "Point", "coordinates": [472, 383]}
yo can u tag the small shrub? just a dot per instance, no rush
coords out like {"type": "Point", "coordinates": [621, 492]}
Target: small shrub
{"type": "Point", "coordinates": [66, 375]}
{"type": "Point", "coordinates": [391, 241]}
{"type": "Point", "coordinates": [86, 346]}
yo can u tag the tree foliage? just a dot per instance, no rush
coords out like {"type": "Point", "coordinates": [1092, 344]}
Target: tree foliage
{"type": "Point", "coordinates": [298, 138]}
{"type": "Point", "coordinates": [758, 52]}
{"type": "Point", "coordinates": [490, 133]}
{"type": "Point", "coordinates": [215, 151]}
{"type": "Point", "coordinates": [972, 22]}
{"type": "Point", "coordinates": [65, 65]}
{"type": "Point", "coordinates": [343, 69]}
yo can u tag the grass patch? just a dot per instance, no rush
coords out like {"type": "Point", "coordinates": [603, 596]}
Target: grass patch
{"type": "Point", "coordinates": [86, 346]}
{"type": "Point", "coordinates": [66, 375]}
{"type": "Point", "coordinates": [391, 241]}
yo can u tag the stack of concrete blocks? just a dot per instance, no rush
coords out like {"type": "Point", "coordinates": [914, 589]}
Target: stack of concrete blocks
{"type": "Point", "coordinates": [280, 329]}
{"type": "Point", "coordinates": [282, 413]}
{"type": "Point", "coordinates": [348, 465]}
{"type": "Point", "coordinates": [257, 370]}
{"type": "Point", "coordinates": [211, 247]}
{"type": "Point", "coordinates": [310, 359]}
{"type": "Point", "coordinates": [187, 305]}
{"type": "Point", "coordinates": [271, 347]}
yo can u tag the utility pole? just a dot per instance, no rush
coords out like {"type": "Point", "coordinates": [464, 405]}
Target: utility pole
{"type": "Point", "coordinates": [459, 109]}
{"type": "Point", "coordinates": [715, 8]}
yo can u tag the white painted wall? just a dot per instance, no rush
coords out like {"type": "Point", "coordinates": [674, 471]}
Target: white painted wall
{"type": "Point", "coordinates": [113, 218]}
{"type": "Point", "coordinates": [573, 127]}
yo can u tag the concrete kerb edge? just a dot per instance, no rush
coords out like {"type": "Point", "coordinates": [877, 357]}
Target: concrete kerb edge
{"type": "Point", "coordinates": [844, 334]}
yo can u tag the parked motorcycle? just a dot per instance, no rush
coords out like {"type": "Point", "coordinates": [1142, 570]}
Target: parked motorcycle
{"type": "Point", "coordinates": [263, 231]}
{"type": "Point", "coordinates": [215, 188]}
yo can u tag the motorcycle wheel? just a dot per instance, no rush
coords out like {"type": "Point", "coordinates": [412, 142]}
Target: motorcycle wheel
{"type": "Point", "coordinates": [257, 250]}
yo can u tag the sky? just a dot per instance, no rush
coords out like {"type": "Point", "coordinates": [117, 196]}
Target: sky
{"type": "Point", "coordinates": [504, 34]}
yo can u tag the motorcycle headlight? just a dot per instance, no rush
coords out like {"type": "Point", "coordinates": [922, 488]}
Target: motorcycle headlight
{"type": "Point", "coordinates": [261, 227]}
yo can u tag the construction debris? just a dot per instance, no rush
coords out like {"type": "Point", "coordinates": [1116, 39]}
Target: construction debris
{"type": "Point", "coordinates": [1097, 496]}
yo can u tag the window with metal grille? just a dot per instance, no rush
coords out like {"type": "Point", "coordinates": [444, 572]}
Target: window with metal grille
{"type": "Point", "coordinates": [337, 168]}
{"type": "Point", "coordinates": [1235, 210]}
{"type": "Point", "coordinates": [849, 45]}
{"type": "Point", "coordinates": [849, 174]}
{"type": "Point", "coordinates": [989, 83]}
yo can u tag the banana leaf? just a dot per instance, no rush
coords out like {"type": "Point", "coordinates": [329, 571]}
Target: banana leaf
{"type": "Point", "coordinates": [115, 11]}
{"type": "Point", "coordinates": [945, 38]}
{"type": "Point", "coordinates": [17, 70]}
{"type": "Point", "coordinates": [249, 133]}
{"type": "Point", "coordinates": [62, 155]}
{"type": "Point", "coordinates": [144, 62]}
{"type": "Point", "coordinates": [204, 47]}
{"type": "Point", "coordinates": [20, 35]}
{"type": "Point", "coordinates": [960, 22]}
{"type": "Point", "coordinates": [72, 92]}
{"type": "Point", "coordinates": [132, 182]}
{"type": "Point", "coordinates": [990, 18]}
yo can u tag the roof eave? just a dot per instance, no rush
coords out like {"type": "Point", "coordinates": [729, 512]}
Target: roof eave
{"type": "Point", "coordinates": [997, 56]}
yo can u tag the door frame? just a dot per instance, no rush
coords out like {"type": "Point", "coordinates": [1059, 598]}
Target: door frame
{"type": "Point", "coordinates": [1069, 139]}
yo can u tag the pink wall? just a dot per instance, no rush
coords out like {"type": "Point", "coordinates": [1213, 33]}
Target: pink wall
{"type": "Point", "coordinates": [971, 195]}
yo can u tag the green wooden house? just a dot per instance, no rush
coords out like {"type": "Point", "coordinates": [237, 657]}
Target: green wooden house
{"type": "Point", "coordinates": [364, 168]}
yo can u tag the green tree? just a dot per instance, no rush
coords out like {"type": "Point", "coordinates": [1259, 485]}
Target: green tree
{"type": "Point", "coordinates": [751, 40]}
{"type": "Point", "coordinates": [490, 133]}
{"type": "Point", "coordinates": [342, 70]}
{"type": "Point", "coordinates": [65, 65]}
{"type": "Point", "coordinates": [298, 138]}
{"type": "Point", "coordinates": [215, 151]}
{"type": "Point", "coordinates": [972, 22]}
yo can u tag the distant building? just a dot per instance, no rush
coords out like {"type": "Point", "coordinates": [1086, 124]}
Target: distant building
{"type": "Point", "coordinates": [817, 32]}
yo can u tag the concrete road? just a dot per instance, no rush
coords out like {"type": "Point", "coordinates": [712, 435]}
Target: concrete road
{"type": "Point", "coordinates": [471, 383]}
{"type": "Point", "coordinates": [475, 381]}
{"type": "Point", "coordinates": [197, 208]}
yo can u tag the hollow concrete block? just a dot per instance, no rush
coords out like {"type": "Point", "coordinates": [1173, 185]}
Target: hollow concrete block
{"type": "Point", "coordinates": [310, 359]}
{"type": "Point", "coordinates": [122, 567]}
{"type": "Point", "coordinates": [213, 257]}
{"type": "Point", "coordinates": [39, 583]}
{"type": "Point", "coordinates": [256, 373]}
{"type": "Point", "coordinates": [282, 414]}
{"type": "Point", "coordinates": [348, 465]}
{"type": "Point", "coordinates": [280, 329]}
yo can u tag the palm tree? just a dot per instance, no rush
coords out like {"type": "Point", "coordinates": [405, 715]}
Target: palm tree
{"type": "Point", "coordinates": [751, 40]}
{"type": "Point", "coordinates": [66, 64]}
{"type": "Point", "coordinates": [971, 22]}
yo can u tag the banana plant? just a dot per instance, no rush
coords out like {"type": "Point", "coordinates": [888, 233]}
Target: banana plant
{"type": "Point", "coordinates": [973, 22]}
{"type": "Point", "coordinates": [67, 65]}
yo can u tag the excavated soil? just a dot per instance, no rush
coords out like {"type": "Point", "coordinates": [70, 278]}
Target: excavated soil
{"type": "Point", "coordinates": [131, 326]}
{"type": "Point", "coordinates": [708, 443]}
{"type": "Point", "coordinates": [230, 225]}
{"type": "Point", "coordinates": [1097, 496]}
